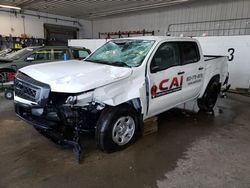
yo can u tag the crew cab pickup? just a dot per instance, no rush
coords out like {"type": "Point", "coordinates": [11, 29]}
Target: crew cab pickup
{"type": "Point", "coordinates": [115, 88]}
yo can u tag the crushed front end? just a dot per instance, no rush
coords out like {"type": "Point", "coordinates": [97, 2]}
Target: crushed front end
{"type": "Point", "coordinates": [56, 115]}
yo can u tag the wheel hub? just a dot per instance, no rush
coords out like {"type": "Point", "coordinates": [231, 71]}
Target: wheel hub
{"type": "Point", "coordinates": [123, 130]}
{"type": "Point", "coordinates": [9, 95]}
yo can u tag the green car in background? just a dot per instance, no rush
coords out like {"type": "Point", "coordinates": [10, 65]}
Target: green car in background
{"type": "Point", "coordinates": [10, 63]}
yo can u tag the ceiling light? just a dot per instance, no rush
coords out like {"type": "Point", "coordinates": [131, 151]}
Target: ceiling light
{"type": "Point", "coordinates": [10, 7]}
{"type": "Point", "coordinates": [139, 8]}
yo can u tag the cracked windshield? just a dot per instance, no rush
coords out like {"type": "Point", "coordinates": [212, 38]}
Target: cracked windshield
{"type": "Point", "coordinates": [127, 53]}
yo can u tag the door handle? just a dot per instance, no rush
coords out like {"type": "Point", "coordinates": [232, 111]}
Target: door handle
{"type": "Point", "coordinates": [180, 73]}
{"type": "Point", "coordinates": [201, 68]}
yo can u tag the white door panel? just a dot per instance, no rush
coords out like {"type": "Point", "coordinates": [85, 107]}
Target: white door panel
{"type": "Point", "coordinates": [175, 76]}
{"type": "Point", "coordinates": [193, 65]}
{"type": "Point", "coordinates": [165, 90]}
{"type": "Point", "coordinates": [194, 75]}
{"type": "Point", "coordinates": [165, 84]}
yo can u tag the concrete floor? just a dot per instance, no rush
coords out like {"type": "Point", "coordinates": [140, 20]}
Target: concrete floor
{"type": "Point", "coordinates": [190, 150]}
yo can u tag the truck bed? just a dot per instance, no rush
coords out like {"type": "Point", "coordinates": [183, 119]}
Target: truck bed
{"type": "Point", "coordinates": [212, 57]}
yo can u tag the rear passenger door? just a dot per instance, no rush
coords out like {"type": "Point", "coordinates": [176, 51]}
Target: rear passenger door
{"type": "Point", "coordinates": [193, 69]}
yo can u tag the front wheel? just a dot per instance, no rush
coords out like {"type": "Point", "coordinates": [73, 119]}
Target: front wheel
{"type": "Point", "coordinates": [9, 94]}
{"type": "Point", "coordinates": [209, 99]}
{"type": "Point", "coordinates": [117, 128]}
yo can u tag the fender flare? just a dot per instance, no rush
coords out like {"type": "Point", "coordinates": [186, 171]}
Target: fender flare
{"type": "Point", "coordinates": [214, 78]}
{"type": "Point", "coordinates": [136, 104]}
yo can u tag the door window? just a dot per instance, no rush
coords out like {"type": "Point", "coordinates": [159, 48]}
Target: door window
{"type": "Point", "coordinates": [59, 54]}
{"type": "Point", "coordinates": [41, 55]}
{"type": "Point", "coordinates": [190, 52]}
{"type": "Point", "coordinates": [167, 55]}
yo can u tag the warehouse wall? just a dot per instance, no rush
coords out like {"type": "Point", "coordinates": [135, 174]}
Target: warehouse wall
{"type": "Point", "coordinates": [33, 26]}
{"type": "Point", "coordinates": [198, 11]}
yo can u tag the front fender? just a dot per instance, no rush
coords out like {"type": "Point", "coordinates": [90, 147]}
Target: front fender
{"type": "Point", "coordinates": [122, 92]}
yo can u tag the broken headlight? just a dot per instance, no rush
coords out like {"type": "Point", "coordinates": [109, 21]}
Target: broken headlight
{"type": "Point", "coordinates": [81, 99]}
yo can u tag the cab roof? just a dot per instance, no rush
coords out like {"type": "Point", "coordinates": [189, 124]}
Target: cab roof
{"type": "Point", "coordinates": [157, 38]}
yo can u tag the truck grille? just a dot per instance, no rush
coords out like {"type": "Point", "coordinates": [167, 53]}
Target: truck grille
{"type": "Point", "coordinates": [32, 90]}
{"type": "Point", "coordinates": [26, 91]}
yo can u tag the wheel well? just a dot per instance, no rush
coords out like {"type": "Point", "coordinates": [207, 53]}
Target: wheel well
{"type": "Point", "coordinates": [206, 84]}
{"type": "Point", "coordinates": [217, 79]}
{"type": "Point", "coordinates": [136, 104]}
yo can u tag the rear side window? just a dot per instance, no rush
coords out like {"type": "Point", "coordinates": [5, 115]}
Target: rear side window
{"type": "Point", "coordinates": [190, 52]}
{"type": "Point", "coordinates": [59, 54]}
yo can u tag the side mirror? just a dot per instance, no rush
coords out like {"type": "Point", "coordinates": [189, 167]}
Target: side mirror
{"type": "Point", "coordinates": [155, 69]}
{"type": "Point", "coordinates": [30, 59]}
{"type": "Point", "coordinates": [155, 64]}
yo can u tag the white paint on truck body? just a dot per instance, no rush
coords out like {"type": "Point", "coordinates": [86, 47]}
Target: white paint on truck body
{"type": "Point", "coordinates": [113, 85]}
{"type": "Point", "coordinates": [76, 76]}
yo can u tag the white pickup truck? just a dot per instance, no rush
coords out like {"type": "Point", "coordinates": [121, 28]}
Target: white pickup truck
{"type": "Point", "coordinates": [118, 86]}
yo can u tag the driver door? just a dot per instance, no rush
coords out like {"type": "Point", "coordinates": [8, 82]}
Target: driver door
{"type": "Point", "coordinates": [165, 78]}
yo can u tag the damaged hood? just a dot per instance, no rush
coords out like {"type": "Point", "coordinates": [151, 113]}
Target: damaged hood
{"type": "Point", "coordinates": [75, 76]}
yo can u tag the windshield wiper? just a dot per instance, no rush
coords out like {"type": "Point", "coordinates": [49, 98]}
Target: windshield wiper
{"type": "Point", "coordinates": [115, 63]}
{"type": "Point", "coordinates": [120, 64]}
{"type": "Point", "coordinates": [97, 61]}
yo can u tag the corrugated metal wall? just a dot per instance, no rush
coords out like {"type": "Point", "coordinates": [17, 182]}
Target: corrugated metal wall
{"type": "Point", "coordinates": [211, 17]}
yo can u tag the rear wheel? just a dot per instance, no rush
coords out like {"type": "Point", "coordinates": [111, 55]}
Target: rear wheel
{"type": "Point", "coordinates": [209, 99]}
{"type": "Point", "coordinates": [117, 128]}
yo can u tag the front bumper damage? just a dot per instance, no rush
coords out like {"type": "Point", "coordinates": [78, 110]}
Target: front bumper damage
{"type": "Point", "coordinates": [51, 116]}
{"type": "Point", "coordinates": [56, 130]}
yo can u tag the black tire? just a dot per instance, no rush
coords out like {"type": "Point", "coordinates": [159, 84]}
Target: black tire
{"type": "Point", "coordinates": [9, 94]}
{"type": "Point", "coordinates": [107, 122]}
{"type": "Point", "coordinates": [209, 99]}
